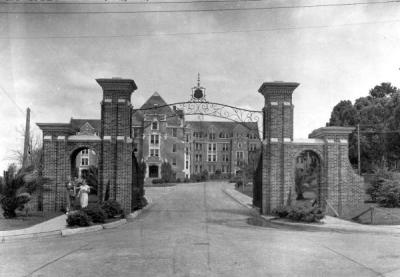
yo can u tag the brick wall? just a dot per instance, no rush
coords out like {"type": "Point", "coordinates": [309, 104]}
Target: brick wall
{"type": "Point", "coordinates": [339, 185]}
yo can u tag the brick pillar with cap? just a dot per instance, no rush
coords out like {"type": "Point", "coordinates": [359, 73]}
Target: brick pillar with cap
{"type": "Point", "coordinates": [278, 129]}
{"type": "Point", "coordinates": [116, 134]}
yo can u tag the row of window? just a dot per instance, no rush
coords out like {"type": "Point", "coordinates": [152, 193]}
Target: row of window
{"type": "Point", "coordinates": [155, 126]}
{"type": "Point", "coordinates": [212, 147]}
{"type": "Point", "coordinates": [212, 135]}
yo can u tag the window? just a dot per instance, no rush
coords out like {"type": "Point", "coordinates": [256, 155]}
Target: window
{"type": "Point", "coordinates": [212, 147]}
{"type": "Point", "coordinates": [174, 161]}
{"type": "Point", "coordinates": [85, 152]}
{"type": "Point", "coordinates": [253, 147]}
{"type": "Point", "coordinates": [174, 147]}
{"type": "Point", "coordinates": [239, 145]}
{"type": "Point", "coordinates": [225, 158]}
{"type": "Point", "coordinates": [239, 155]}
{"type": "Point", "coordinates": [225, 147]}
{"type": "Point", "coordinates": [154, 139]}
{"type": "Point", "coordinates": [214, 158]}
{"type": "Point", "coordinates": [154, 125]}
{"type": "Point", "coordinates": [85, 161]}
{"type": "Point", "coordinates": [154, 152]}
{"type": "Point", "coordinates": [187, 138]}
{"type": "Point", "coordinates": [223, 169]}
{"type": "Point", "coordinates": [174, 132]}
{"type": "Point", "coordinates": [198, 157]}
{"type": "Point", "coordinates": [198, 146]}
{"type": "Point", "coordinates": [187, 164]}
{"type": "Point", "coordinates": [211, 136]}
{"type": "Point", "coordinates": [209, 158]}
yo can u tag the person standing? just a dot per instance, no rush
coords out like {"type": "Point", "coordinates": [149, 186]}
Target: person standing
{"type": "Point", "coordinates": [83, 194]}
{"type": "Point", "coordinates": [70, 191]}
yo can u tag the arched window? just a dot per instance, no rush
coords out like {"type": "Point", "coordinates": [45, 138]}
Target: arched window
{"type": "Point", "coordinates": [154, 125]}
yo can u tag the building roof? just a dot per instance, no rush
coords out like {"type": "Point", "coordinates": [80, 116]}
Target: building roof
{"type": "Point", "coordinates": [76, 123]}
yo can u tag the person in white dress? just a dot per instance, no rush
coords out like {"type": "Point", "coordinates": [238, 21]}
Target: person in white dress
{"type": "Point", "coordinates": [84, 194]}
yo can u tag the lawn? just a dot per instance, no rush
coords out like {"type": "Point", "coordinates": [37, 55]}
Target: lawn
{"type": "Point", "coordinates": [22, 221]}
{"type": "Point", "coordinates": [380, 215]}
{"type": "Point", "coordinates": [248, 190]}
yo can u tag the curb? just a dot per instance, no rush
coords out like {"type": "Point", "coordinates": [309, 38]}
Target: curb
{"type": "Point", "coordinates": [138, 212]}
{"type": "Point", "coordinates": [81, 230]}
{"type": "Point", "coordinates": [19, 235]}
{"type": "Point", "coordinates": [114, 224]}
{"type": "Point", "coordinates": [364, 229]}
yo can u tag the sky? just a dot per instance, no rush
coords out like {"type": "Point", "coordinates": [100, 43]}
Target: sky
{"type": "Point", "coordinates": [50, 56]}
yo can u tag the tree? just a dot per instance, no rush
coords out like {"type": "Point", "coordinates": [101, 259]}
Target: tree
{"type": "Point", "coordinates": [379, 117]}
{"type": "Point", "coordinates": [17, 188]}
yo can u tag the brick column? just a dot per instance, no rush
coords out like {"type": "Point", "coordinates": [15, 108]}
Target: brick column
{"type": "Point", "coordinates": [278, 128]}
{"type": "Point", "coordinates": [116, 156]}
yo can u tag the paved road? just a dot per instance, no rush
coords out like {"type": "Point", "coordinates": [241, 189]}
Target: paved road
{"type": "Point", "coordinates": [197, 230]}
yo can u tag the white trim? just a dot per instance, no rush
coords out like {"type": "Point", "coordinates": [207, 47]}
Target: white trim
{"type": "Point", "coordinates": [308, 141]}
{"type": "Point", "coordinates": [83, 138]}
{"type": "Point", "coordinates": [274, 139]}
{"type": "Point", "coordinates": [120, 137]}
{"type": "Point", "coordinates": [121, 100]}
{"type": "Point", "coordinates": [330, 141]}
{"type": "Point", "coordinates": [107, 138]}
{"type": "Point", "coordinates": [108, 100]}
{"type": "Point", "coordinates": [286, 103]}
{"type": "Point", "coordinates": [129, 140]}
{"type": "Point", "coordinates": [274, 103]}
{"type": "Point", "coordinates": [287, 140]}
{"type": "Point", "coordinates": [47, 137]}
{"type": "Point", "coordinates": [343, 141]}
{"type": "Point", "coordinates": [61, 138]}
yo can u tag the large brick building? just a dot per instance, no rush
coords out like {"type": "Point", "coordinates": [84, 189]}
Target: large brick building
{"type": "Point", "coordinates": [162, 134]}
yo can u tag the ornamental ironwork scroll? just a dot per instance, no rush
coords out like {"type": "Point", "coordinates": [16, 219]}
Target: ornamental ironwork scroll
{"type": "Point", "coordinates": [203, 107]}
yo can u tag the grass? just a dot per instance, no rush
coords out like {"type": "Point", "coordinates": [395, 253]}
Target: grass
{"type": "Point", "coordinates": [22, 221]}
{"type": "Point", "coordinates": [248, 190]}
{"type": "Point", "coordinates": [381, 216]}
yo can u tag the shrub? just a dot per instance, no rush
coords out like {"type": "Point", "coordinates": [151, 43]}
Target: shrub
{"type": "Point", "coordinates": [300, 213]}
{"type": "Point", "coordinates": [388, 194]}
{"type": "Point", "coordinates": [96, 214]}
{"type": "Point", "coordinates": [112, 208]}
{"type": "Point", "coordinates": [281, 211]}
{"type": "Point", "coordinates": [157, 181]}
{"type": "Point", "coordinates": [78, 218]}
{"type": "Point", "coordinates": [195, 178]}
{"type": "Point", "coordinates": [178, 180]}
{"type": "Point", "coordinates": [239, 183]}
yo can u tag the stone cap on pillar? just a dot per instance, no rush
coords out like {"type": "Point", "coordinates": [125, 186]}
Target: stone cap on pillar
{"type": "Point", "coordinates": [271, 88]}
{"type": "Point", "coordinates": [332, 132]}
{"type": "Point", "coordinates": [117, 84]}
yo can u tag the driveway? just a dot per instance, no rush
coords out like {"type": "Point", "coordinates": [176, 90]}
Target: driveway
{"type": "Point", "coordinates": [197, 230]}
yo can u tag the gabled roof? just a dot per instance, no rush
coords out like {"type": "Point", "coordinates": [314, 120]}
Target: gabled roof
{"type": "Point", "coordinates": [76, 123]}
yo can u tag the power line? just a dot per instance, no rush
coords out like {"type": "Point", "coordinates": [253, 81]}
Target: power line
{"type": "Point", "coordinates": [201, 33]}
{"type": "Point", "coordinates": [12, 100]}
{"type": "Point", "coordinates": [205, 10]}
{"type": "Point", "coordinates": [130, 3]}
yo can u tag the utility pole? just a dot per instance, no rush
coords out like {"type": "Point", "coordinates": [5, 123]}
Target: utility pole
{"type": "Point", "coordinates": [27, 138]}
{"type": "Point", "coordinates": [358, 150]}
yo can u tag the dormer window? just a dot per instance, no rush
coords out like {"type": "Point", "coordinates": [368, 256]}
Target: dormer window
{"type": "Point", "coordinates": [154, 125]}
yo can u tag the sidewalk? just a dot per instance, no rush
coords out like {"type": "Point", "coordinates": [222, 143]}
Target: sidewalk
{"type": "Point", "coordinates": [57, 227]}
{"type": "Point", "coordinates": [329, 223]}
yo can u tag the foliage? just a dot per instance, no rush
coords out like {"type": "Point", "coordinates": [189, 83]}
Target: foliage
{"type": "Point", "coordinates": [96, 214]}
{"type": "Point", "coordinates": [78, 218]}
{"type": "Point", "coordinates": [112, 208]}
{"type": "Point", "coordinates": [139, 200]}
{"type": "Point", "coordinates": [17, 187]}
{"type": "Point", "coordinates": [389, 194]}
{"type": "Point", "coordinates": [157, 181]}
{"type": "Point", "coordinates": [300, 213]}
{"type": "Point", "coordinates": [167, 174]}
{"type": "Point", "coordinates": [379, 115]}
{"type": "Point", "coordinates": [92, 179]}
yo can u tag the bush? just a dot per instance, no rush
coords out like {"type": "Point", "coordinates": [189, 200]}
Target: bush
{"type": "Point", "coordinates": [282, 211]}
{"type": "Point", "coordinates": [112, 208]}
{"type": "Point", "coordinates": [195, 178]}
{"type": "Point", "coordinates": [300, 213]}
{"type": "Point", "coordinates": [178, 180]}
{"type": "Point", "coordinates": [78, 218]}
{"type": "Point", "coordinates": [239, 183]}
{"type": "Point", "coordinates": [157, 181]}
{"type": "Point", "coordinates": [96, 214]}
{"type": "Point", "coordinates": [388, 194]}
